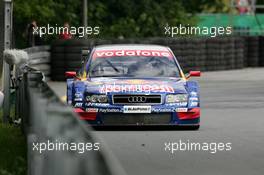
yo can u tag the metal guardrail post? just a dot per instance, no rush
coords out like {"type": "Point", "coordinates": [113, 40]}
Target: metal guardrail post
{"type": "Point", "coordinates": [85, 15]}
{"type": "Point", "coordinates": [6, 68]}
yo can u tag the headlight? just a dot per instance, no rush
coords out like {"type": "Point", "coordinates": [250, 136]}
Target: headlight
{"type": "Point", "coordinates": [97, 98]}
{"type": "Point", "coordinates": [177, 98]}
{"type": "Point", "coordinates": [94, 98]}
{"type": "Point", "coordinates": [102, 99]}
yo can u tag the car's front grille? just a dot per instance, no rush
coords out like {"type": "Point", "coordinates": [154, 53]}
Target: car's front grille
{"type": "Point", "coordinates": [117, 118]}
{"type": "Point", "coordinates": [136, 99]}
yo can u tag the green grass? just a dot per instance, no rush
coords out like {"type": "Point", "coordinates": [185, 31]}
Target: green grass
{"type": "Point", "coordinates": [13, 146]}
{"type": "Point", "coordinates": [13, 150]}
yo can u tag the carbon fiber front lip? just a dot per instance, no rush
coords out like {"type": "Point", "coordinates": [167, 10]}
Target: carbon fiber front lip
{"type": "Point", "coordinates": [136, 119]}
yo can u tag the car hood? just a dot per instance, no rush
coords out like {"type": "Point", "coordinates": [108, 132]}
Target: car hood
{"type": "Point", "coordinates": [135, 86]}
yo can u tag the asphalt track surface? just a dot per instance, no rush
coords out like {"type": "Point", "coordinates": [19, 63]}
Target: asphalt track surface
{"type": "Point", "coordinates": [232, 111]}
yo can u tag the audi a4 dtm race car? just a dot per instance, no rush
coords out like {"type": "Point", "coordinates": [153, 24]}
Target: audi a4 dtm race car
{"type": "Point", "coordinates": [134, 85]}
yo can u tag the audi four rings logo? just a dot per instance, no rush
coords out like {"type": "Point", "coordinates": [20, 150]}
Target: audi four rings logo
{"type": "Point", "coordinates": [137, 99]}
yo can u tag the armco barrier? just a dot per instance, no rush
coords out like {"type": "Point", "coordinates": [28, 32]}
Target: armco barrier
{"type": "Point", "coordinates": [196, 53]}
{"type": "Point", "coordinates": [45, 119]}
{"type": "Point", "coordinates": [39, 58]}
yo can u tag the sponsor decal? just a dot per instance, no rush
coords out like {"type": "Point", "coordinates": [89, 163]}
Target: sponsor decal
{"type": "Point", "coordinates": [95, 82]}
{"type": "Point", "coordinates": [120, 53]}
{"type": "Point", "coordinates": [193, 99]}
{"type": "Point", "coordinates": [136, 88]}
{"type": "Point", "coordinates": [97, 104]}
{"type": "Point", "coordinates": [78, 99]}
{"type": "Point", "coordinates": [136, 81]}
{"type": "Point", "coordinates": [78, 104]}
{"type": "Point", "coordinates": [91, 109]}
{"type": "Point", "coordinates": [129, 81]}
{"type": "Point", "coordinates": [193, 104]}
{"type": "Point", "coordinates": [109, 110]}
{"type": "Point", "coordinates": [141, 82]}
{"type": "Point", "coordinates": [78, 94]}
{"type": "Point", "coordinates": [181, 109]}
{"type": "Point", "coordinates": [137, 109]}
{"type": "Point", "coordinates": [193, 93]}
{"type": "Point", "coordinates": [158, 110]}
{"type": "Point", "coordinates": [177, 104]}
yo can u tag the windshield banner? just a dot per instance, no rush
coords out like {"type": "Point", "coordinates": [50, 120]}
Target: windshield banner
{"type": "Point", "coordinates": [146, 53]}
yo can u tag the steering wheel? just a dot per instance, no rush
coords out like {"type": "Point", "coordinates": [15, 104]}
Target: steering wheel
{"type": "Point", "coordinates": [157, 61]}
{"type": "Point", "coordinates": [101, 62]}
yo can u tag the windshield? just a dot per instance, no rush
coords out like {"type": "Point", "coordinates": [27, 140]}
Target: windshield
{"type": "Point", "coordinates": [137, 64]}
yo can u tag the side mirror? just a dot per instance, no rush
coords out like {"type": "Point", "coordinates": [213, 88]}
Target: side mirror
{"type": "Point", "coordinates": [194, 74]}
{"type": "Point", "coordinates": [70, 74]}
{"type": "Point", "coordinates": [85, 53]}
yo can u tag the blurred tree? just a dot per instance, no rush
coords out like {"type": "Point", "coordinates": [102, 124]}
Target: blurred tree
{"type": "Point", "coordinates": [44, 12]}
{"type": "Point", "coordinates": [138, 18]}
{"type": "Point", "coordinates": [116, 18]}
{"type": "Point", "coordinates": [206, 6]}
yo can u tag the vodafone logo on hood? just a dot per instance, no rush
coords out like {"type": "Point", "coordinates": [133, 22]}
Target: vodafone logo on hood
{"type": "Point", "coordinates": [146, 53]}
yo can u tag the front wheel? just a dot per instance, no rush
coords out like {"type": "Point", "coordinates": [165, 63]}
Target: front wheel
{"type": "Point", "coordinates": [195, 127]}
{"type": "Point", "coordinates": [190, 127]}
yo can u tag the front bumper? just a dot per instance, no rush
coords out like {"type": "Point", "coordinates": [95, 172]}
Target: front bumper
{"type": "Point", "coordinates": [105, 114]}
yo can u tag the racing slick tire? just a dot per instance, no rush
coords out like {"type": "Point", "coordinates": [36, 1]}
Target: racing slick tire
{"type": "Point", "coordinates": [190, 127]}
